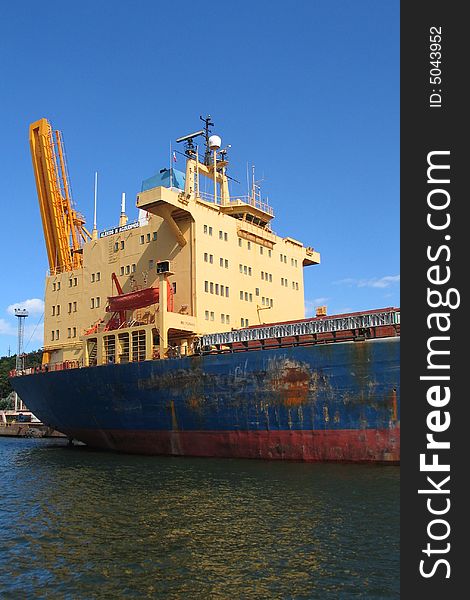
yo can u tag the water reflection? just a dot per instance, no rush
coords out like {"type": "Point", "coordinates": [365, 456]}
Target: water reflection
{"type": "Point", "coordinates": [84, 524]}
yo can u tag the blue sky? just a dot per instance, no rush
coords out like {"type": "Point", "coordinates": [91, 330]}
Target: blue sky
{"type": "Point", "coordinates": [307, 91]}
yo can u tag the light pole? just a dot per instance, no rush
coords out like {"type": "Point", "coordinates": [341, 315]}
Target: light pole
{"type": "Point", "coordinates": [21, 313]}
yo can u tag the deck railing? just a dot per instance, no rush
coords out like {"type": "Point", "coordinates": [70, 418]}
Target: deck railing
{"type": "Point", "coordinates": [308, 327]}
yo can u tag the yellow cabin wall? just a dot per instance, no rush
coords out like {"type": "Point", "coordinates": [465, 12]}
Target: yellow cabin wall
{"type": "Point", "coordinates": [190, 270]}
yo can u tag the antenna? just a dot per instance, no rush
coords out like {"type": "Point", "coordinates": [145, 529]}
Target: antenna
{"type": "Point", "coordinates": [94, 233]}
{"type": "Point", "coordinates": [207, 125]}
{"type": "Point", "coordinates": [189, 151]}
{"type": "Point", "coordinates": [123, 216]}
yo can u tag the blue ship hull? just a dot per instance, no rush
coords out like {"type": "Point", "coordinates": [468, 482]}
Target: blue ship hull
{"type": "Point", "coordinates": [337, 401]}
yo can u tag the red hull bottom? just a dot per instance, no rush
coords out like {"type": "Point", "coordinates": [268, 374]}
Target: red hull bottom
{"type": "Point", "coordinates": [351, 445]}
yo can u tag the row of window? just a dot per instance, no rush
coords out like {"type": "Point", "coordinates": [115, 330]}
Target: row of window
{"type": "Point", "coordinates": [56, 309]}
{"type": "Point", "coordinates": [225, 319]}
{"type": "Point", "coordinates": [71, 333]}
{"type": "Point", "coordinates": [261, 248]}
{"type": "Point", "coordinates": [209, 258]}
{"type": "Point", "coordinates": [147, 238]}
{"type": "Point", "coordinates": [128, 269]}
{"type": "Point", "coordinates": [217, 289]}
{"type": "Point", "coordinates": [73, 281]}
{"type": "Point", "coordinates": [210, 316]}
{"type": "Point", "coordinates": [246, 270]}
{"type": "Point", "coordinates": [267, 276]}
{"type": "Point", "coordinates": [223, 235]}
{"type": "Point", "coordinates": [248, 297]}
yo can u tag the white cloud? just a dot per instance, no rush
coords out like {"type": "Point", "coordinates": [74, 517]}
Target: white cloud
{"type": "Point", "coordinates": [374, 282]}
{"type": "Point", "coordinates": [34, 306]}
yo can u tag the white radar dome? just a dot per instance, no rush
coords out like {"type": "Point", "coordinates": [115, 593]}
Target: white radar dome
{"type": "Point", "coordinates": [215, 142]}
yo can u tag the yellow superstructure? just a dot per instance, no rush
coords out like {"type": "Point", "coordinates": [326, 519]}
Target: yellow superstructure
{"type": "Point", "coordinates": [226, 267]}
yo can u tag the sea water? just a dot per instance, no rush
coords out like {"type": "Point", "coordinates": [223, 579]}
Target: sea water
{"type": "Point", "coordinates": [77, 523]}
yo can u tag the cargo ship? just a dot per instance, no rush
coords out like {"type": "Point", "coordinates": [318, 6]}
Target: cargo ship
{"type": "Point", "coordinates": [184, 331]}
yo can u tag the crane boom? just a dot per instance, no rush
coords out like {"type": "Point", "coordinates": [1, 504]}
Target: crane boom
{"type": "Point", "coordinates": [64, 230]}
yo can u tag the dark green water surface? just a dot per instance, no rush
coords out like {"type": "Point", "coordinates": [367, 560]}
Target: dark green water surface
{"type": "Point", "coordinates": [76, 523]}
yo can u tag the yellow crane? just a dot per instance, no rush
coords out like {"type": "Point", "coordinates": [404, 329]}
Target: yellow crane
{"type": "Point", "coordinates": [64, 230]}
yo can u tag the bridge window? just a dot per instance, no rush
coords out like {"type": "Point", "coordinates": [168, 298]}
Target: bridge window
{"type": "Point", "coordinates": [138, 345]}
{"type": "Point", "coordinates": [123, 349]}
{"type": "Point", "coordinates": [109, 348]}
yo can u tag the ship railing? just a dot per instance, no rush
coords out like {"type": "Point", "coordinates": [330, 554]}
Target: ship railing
{"type": "Point", "coordinates": [238, 201]}
{"type": "Point", "coordinates": [62, 366]}
{"type": "Point", "coordinates": [264, 206]}
{"type": "Point", "coordinates": [308, 327]}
